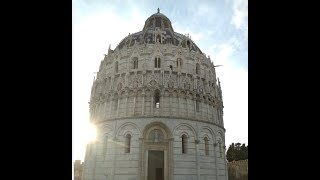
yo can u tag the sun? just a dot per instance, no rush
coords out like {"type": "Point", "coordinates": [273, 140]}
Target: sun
{"type": "Point", "coordinates": [90, 133]}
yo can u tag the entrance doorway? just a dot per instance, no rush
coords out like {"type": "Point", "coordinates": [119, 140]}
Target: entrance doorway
{"type": "Point", "coordinates": [155, 165]}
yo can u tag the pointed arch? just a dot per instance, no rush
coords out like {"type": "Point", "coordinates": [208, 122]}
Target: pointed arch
{"type": "Point", "coordinates": [135, 61]}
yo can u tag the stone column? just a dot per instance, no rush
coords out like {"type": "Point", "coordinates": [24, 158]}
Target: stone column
{"type": "Point", "coordinates": [225, 162]}
{"type": "Point", "coordinates": [222, 123]}
{"type": "Point", "coordinates": [212, 110]}
{"type": "Point", "coordinates": [126, 105]}
{"type": "Point", "coordinates": [143, 76]}
{"type": "Point", "coordinates": [217, 115]}
{"type": "Point", "coordinates": [197, 143]}
{"type": "Point", "coordinates": [134, 103]}
{"type": "Point", "coordinates": [143, 97]}
{"type": "Point", "coordinates": [94, 161]}
{"type": "Point", "coordinates": [208, 106]}
{"type": "Point", "coordinates": [170, 104]}
{"type": "Point", "coordinates": [115, 146]}
{"type": "Point", "coordinates": [110, 108]}
{"type": "Point", "coordinates": [178, 105]}
{"type": "Point", "coordinates": [162, 77]}
{"type": "Point", "coordinates": [112, 79]}
{"type": "Point", "coordinates": [126, 79]}
{"type": "Point", "coordinates": [141, 160]}
{"type": "Point", "coordinates": [104, 109]}
{"type": "Point", "coordinates": [215, 159]}
{"type": "Point", "coordinates": [187, 105]}
{"type": "Point", "coordinates": [179, 74]}
{"type": "Point", "coordinates": [161, 102]}
{"type": "Point", "coordinates": [152, 105]}
{"type": "Point", "coordinates": [201, 108]}
{"type": "Point", "coordinates": [195, 106]}
{"type": "Point", "coordinates": [118, 105]}
{"type": "Point", "coordinates": [171, 163]}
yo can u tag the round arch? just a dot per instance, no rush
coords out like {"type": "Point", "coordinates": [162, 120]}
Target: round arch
{"type": "Point", "coordinates": [214, 136]}
{"type": "Point", "coordinates": [185, 124]}
{"type": "Point", "coordinates": [128, 124]}
{"type": "Point", "coordinates": [150, 127]}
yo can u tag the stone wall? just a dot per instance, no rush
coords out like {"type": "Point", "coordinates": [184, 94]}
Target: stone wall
{"type": "Point", "coordinates": [238, 170]}
{"type": "Point", "coordinates": [78, 167]}
{"type": "Point", "coordinates": [107, 156]}
{"type": "Point", "coordinates": [131, 92]}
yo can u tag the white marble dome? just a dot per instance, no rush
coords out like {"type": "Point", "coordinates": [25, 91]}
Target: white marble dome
{"type": "Point", "coordinates": [158, 109]}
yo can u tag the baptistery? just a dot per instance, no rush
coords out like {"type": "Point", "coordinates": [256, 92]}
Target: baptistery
{"type": "Point", "coordinates": [157, 106]}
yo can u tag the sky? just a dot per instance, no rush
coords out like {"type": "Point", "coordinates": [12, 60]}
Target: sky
{"type": "Point", "coordinates": [218, 27]}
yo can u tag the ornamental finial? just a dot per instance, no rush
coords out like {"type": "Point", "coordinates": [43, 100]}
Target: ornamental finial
{"type": "Point", "coordinates": [158, 10]}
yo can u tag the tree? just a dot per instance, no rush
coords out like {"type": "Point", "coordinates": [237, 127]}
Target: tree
{"type": "Point", "coordinates": [231, 154]}
{"type": "Point", "coordinates": [237, 152]}
{"type": "Point", "coordinates": [243, 152]}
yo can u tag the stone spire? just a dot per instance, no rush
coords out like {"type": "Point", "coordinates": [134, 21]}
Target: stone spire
{"type": "Point", "coordinates": [109, 49]}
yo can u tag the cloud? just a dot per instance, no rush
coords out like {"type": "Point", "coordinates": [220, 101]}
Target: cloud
{"type": "Point", "coordinates": [202, 10]}
{"type": "Point", "coordinates": [234, 82]}
{"type": "Point", "coordinates": [195, 36]}
{"type": "Point", "coordinates": [240, 14]}
{"type": "Point", "coordinates": [92, 34]}
{"type": "Point", "coordinates": [221, 52]}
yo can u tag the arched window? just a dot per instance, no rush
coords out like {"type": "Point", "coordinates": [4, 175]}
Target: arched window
{"type": "Point", "coordinates": [157, 63]}
{"type": "Point", "coordinates": [135, 63]}
{"type": "Point", "coordinates": [157, 99]}
{"type": "Point", "coordinates": [127, 143]}
{"type": "Point", "coordinates": [158, 38]}
{"type": "Point", "coordinates": [206, 146]}
{"type": "Point", "coordinates": [184, 144]}
{"type": "Point", "coordinates": [197, 68]}
{"type": "Point", "coordinates": [116, 67]}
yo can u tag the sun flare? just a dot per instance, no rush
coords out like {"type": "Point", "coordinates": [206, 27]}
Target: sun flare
{"type": "Point", "coordinates": [90, 133]}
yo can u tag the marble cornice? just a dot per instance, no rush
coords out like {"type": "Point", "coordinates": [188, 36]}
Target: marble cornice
{"type": "Point", "coordinates": [159, 117]}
